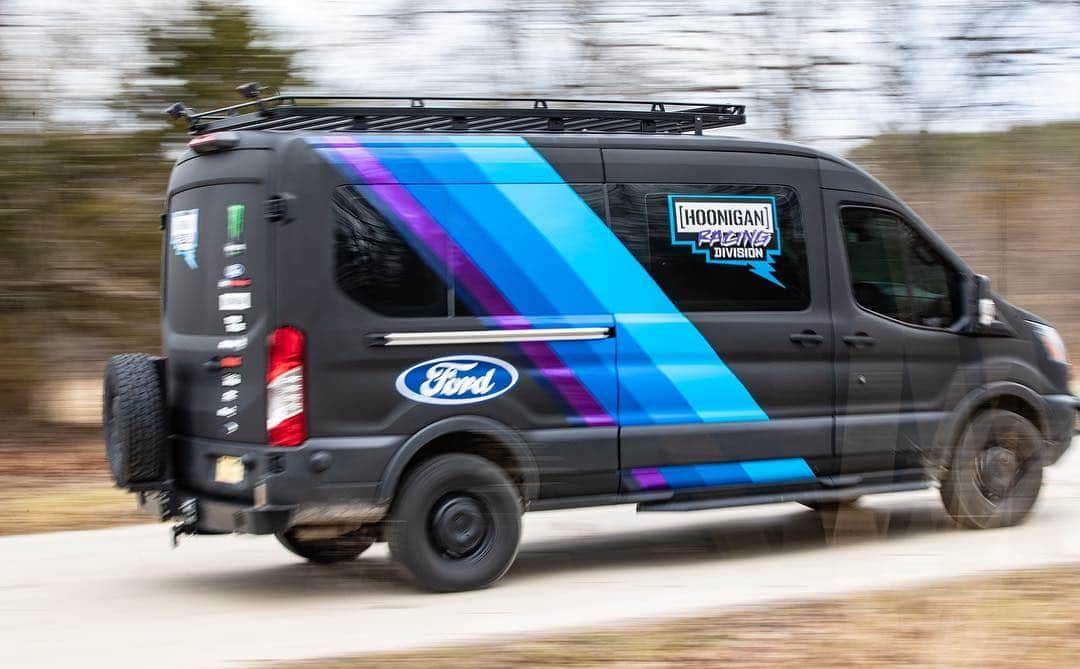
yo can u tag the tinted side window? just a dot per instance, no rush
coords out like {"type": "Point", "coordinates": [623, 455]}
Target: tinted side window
{"type": "Point", "coordinates": [895, 272]}
{"type": "Point", "coordinates": [935, 285]}
{"type": "Point", "coordinates": [717, 247]}
{"type": "Point", "coordinates": [377, 268]}
{"type": "Point", "coordinates": [876, 262]}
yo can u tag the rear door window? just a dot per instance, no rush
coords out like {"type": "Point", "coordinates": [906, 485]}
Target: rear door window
{"type": "Point", "coordinates": [215, 250]}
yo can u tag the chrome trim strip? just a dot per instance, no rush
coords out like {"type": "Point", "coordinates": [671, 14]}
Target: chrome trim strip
{"type": "Point", "coordinates": [494, 336]}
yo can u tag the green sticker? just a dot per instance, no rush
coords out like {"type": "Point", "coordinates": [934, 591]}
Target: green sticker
{"type": "Point", "coordinates": [236, 222]}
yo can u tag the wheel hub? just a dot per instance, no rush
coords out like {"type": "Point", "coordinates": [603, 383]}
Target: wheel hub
{"type": "Point", "coordinates": [998, 467]}
{"type": "Point", "coordinates": [459, 526]}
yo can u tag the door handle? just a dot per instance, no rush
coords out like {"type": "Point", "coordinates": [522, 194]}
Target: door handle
{"type": "Point", "coordinates": [859, 339]}
{"type": "Point", "coordinates": [806, 338]}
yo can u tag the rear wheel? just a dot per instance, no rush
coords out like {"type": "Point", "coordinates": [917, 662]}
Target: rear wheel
{"type": "Point", "coordinates": [344, 548]}
{"type": "Point", "coordinates": [134, 419]}
{"type": "Point", "coordinates": [456, 523]}
{"type": "Point", "coordinates": [996, 471]}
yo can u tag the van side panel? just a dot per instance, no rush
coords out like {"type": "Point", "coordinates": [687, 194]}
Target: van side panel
{"type": "Point", "coordinates": [791, 381]}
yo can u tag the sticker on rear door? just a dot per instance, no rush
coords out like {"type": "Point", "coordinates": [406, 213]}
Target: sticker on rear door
{"type": "Point", "coordinates": [457, 379]}
{"type": "Point", "coordinates": [728, 230]}
{"type": "Point", "coordinates": [234, 301]}
{"type": "Point", "coordinates": [184, 235]}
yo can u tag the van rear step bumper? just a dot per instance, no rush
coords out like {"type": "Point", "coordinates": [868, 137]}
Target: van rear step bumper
{"type": "Point", "coordinates": [205, 515]}
{"type": "Point", "coordinates": [805, 496]}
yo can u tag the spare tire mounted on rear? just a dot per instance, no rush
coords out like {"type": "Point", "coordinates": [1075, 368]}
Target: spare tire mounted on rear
{"type": "Point", "coordinates": [134, 419]}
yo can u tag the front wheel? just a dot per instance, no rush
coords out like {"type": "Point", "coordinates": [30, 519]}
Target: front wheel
{"type": "Point", "coordinates": [456, 523]}
{"type": "Point", "coordinates": [996, 471]}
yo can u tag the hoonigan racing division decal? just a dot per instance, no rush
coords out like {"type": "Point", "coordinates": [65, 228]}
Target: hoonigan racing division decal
{"type": "Point", "coordinates": [728, 229]}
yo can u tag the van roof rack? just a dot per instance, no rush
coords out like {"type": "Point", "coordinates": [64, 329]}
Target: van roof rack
{"type": "Point", "coordinates": [325, 113]}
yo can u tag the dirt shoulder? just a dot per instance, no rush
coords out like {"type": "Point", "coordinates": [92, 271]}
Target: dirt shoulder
{"type": "Point", "coordinates": [1028, 619]}
{"type": "Point", "coordinates": [60, 486]}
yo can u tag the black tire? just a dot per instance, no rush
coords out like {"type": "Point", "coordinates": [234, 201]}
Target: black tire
{"type": "Point", "coordinates": [134, 419]}
{"type": "Point", "coordinates": [996, 471]}
{"type": "Point", "coordinates": [345, 548]}
{"type": "Point", "coordinates": [455, 523]}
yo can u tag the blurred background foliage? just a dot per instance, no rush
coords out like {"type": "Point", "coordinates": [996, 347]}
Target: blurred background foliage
{"type": "Point", "coordinates": [85, 164]}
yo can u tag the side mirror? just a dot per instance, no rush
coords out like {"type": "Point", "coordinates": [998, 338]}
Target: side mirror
{"type": "Point", "coordinates": [981, 306]}
{"type": "Point", "coordinates": [987, 311]}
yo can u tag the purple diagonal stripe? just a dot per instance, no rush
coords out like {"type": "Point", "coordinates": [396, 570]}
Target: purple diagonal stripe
{"type": "Point", "coordinates": [464, 270]}
{"type": "Point", "coordinates": [649, 478]}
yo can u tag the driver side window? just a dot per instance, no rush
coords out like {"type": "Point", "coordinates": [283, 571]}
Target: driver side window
{"type": "Point", "coordinates": [896, 272]}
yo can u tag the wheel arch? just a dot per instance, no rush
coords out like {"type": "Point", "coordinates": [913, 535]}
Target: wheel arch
{"type": "Point", "coordinates": [464, 434]}
{"type": "Point", "coordinates": [1007, 395]}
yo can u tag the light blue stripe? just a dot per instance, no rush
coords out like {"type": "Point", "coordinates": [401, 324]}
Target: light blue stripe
{"type": "Point", "coordinates": [777, 471]}
{"type": "Point", "coordinates": [508, 161]}
{"type": "Point", "coordinates": [681, 477]}
{"type": "Point", "coordinates": [723, 473]}
{"type": "Point", "coordinates": [677, 477]}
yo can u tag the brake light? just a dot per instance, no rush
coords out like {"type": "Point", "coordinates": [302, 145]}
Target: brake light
{"type": "Point", "coordinates": [286, 422]}
{"type": "Point", "coordinates": [213, 142]}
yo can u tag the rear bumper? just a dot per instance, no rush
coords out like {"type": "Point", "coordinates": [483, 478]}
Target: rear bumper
{"type": "Point", "coordinates": [323, 482]}
{"type": "Point", "coordinates": [1061, 414]}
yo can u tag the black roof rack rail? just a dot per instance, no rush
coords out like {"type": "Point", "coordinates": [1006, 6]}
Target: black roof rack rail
{"type": "Point", "coordinates": [325, 113]}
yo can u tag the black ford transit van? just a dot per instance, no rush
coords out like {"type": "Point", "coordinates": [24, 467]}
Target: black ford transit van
{"type": "Point", "coordinates": [414, 320]}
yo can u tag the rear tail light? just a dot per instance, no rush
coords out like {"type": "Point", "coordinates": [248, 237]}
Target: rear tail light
{"type": "Point", "coordinates": [286, 420]}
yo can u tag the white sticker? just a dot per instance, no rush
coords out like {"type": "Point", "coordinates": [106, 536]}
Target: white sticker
{"type": "Point", "coordinates": [234, 323]}
{"type": "Point", "coordinates": [226, 412]}
{"type": "Point", "coordinates": [229, 396]}
{"type": "Point", "coordinates": [184, 235]}
{"type": "Point", "coordinates": [230, 427]}
{"type": "Point", "coordinates": [234, 301]}
{"type": "Point", "coordinates": [232, 345]}
{"type": "Point", "coordinates": [234, 271]}
{"type": "Point", "coordinates": [234, 249]}
{"type": "Point", "coordinates": [231, 379]}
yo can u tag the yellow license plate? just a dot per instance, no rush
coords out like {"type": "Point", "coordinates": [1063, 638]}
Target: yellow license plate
{"type": "Point", "coordinates": [228, 469]}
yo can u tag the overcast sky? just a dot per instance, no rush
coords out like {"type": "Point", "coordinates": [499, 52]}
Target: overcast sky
{"type": "Point", "coordinates": [73, 52]}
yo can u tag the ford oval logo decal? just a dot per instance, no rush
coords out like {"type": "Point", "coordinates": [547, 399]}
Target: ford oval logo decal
{"type": "Point", "coordinates": [457, 379]}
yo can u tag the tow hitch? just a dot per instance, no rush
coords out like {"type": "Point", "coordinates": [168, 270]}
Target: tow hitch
{"type": "Point", "coordinates": [189, 519]}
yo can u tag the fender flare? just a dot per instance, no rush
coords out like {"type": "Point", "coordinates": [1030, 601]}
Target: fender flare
{"type": "Point", "coordinates": [953, 427]}
{"type": "Point", "coordinates": [504, 435]}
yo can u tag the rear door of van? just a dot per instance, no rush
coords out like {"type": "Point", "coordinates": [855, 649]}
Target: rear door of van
{"type": "Point", "coordinates": [216, 296]}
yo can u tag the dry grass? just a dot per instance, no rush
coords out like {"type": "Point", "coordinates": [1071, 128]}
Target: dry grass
{"type": "Point", "coordinates": [1025, 619]}
{"type": "Point", "coordinates": [60, 486]}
